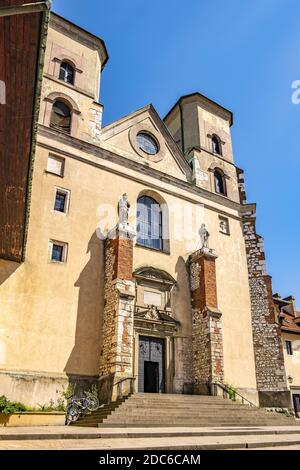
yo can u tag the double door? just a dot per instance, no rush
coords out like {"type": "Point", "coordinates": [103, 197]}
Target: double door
{"type": "Point", "coordinates": [151, 377]}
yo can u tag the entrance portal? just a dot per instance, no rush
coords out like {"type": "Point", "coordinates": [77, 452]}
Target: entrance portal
{"type": "Point", "coordinates": [151, 377]}
{"type": "Point", "coordinates": [151, 365]}
{"type": "Point", "coordinates": [296, 402]}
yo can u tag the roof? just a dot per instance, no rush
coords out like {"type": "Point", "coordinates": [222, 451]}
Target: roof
{"type": "Point", "coordinates": [289, 322]}
{"type": "Point", "coordinates": [197, 94]}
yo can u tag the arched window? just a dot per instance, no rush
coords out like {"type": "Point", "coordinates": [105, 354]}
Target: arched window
{"type": "Point", "coordinates": [149, 223]}
{"type": "Point", "coordinates": [220, 184]}
{"type": "Point", "coordinates": [61, 116]}
{"type": "Point", "coordinates": [67, 73]}
{"type": "Point", "coordinates": [216, 145]}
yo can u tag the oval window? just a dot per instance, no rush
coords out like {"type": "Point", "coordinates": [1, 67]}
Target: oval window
{"type": "Point", "coordinates": [147, 143]}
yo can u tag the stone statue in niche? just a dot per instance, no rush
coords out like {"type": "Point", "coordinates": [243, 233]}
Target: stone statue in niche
{"type": "Point", "coordinates": [123, 210]}
{"type": "Point", "coordinates": [204, 236]}
{"type": "Point", "coordinates": [223, 226]}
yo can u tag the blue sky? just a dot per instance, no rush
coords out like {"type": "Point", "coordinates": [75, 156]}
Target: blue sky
{"type": "Point", "coordinates": [244, 55]}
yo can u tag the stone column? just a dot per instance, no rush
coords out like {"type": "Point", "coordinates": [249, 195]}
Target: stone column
{"type": "Point", "coordinates": [207, 326]}
{"type": "Point", "coordinates": [116, 360]}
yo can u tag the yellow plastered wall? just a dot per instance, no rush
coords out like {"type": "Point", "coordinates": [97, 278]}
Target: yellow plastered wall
{"type": "Point", "coordinates": [292, 362]}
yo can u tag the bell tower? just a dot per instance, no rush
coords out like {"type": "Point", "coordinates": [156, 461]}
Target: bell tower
{"type": "Point", "coordinates": [201, 128]}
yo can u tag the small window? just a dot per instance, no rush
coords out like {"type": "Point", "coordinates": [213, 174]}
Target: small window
{"type": "Point", "coordinates": [224, 225]}
{"type": "Point", "coordinates": [216, 145]}
{"type": "Point", "coordinates": [56, 165]}
{"type": "Point", "coordinates": [58, 252]}
{"type": "Point", "coordinates": [61, 202]}
{"type": "Point", "coordinates": [61, 117]}
{"type": "Point", "coordinates": [67, 73]}
{"type": "Point", "coordinates": [220, 185]}
{"type": "Point", "coordinates": [289, 348]}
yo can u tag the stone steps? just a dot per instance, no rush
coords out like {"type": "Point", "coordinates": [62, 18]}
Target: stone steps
{"type": "Point", "coordinates": [124, 439]}
{"type": "Point", "coordinates": [165, 410]}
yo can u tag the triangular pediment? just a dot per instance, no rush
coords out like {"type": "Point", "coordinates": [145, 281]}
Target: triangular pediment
{"type": "Point", "coordinates": [121, 137]}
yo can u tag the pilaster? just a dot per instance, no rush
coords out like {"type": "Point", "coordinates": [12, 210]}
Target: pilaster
{"type": "Point", "coordinates": [116, 362]}
{"type": "Point", "coordinates": [207, 335]}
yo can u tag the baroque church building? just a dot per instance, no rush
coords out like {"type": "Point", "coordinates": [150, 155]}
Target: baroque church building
{"type": "Point", "coordinates": [143, 271]}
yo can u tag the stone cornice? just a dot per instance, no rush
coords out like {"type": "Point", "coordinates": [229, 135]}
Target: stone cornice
{"type": "Point", "coordinates": [200, 149]}
{"type": "Point", "coordinates": [71, 87]}
{"type": "Point", "coordinates": [205, 101]}
{"type": "Point", "coordinates": [106, 155]}
{"type": "Point", "coordinates": [77, 33]}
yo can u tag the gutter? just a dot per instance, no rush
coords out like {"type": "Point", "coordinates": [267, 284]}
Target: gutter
{"type": "Point", "coordinates": [25, 8]}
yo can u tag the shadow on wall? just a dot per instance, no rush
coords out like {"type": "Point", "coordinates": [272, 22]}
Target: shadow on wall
{"type": "Point", "coordinates": [83, 364]}
{"type": "Point", "coordinates": [181, 300]}
{"type": "Point", "coordinates": [7, 268]}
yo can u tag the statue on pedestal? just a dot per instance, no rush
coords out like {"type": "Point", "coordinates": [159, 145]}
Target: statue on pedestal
{"type": "Point", "coordinates": [123, 209]}
{"type": "Point", "coordinates": [204, 236]}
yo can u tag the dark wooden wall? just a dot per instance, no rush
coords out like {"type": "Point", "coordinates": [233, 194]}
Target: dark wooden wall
{"type": "Point", "coordinates": [19, 52]}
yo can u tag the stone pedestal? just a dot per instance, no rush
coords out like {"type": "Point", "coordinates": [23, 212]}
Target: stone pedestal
{"type": "Point", "coordinates": [207, 325]}
{"type": "Point", "coordinates": [116, 362]}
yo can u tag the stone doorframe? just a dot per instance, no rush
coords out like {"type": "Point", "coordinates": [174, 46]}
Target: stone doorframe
{"type": "Point", "coordinates": [168, 358]}
{"type": "Point", "coordinates": [155, 328]}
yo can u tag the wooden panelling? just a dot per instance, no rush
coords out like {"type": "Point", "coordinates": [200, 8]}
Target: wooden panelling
{"type": "Point", "coordinates": [19, 52]}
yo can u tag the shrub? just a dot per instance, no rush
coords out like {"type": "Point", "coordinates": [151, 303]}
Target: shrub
{"type": "Point", "coordinates": [8, 407]}
{"type": "Point", "coordinates": [231, 392]}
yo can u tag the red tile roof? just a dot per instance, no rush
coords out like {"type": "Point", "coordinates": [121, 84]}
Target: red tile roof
{"type": "Point", "coordinates": [290, 322]}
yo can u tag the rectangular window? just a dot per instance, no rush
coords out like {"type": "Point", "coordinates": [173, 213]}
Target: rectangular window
{"type": "Point", "coordinates": [58, 252]}
{"type": "Point", "coordinates": [56, 165]}
{"type": "Point", "coordinates": [289, 348]}
{"type": "Point", "coordinates": [224, 225]}
{"type": "Point", "coordinates": [61, 202]}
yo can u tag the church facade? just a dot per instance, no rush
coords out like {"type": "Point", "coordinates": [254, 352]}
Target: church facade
{"type": "Point", "coordinates": [143, 270]}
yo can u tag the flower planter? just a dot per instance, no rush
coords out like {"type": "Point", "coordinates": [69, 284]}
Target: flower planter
{"type": "Point", "coordinates": [33, 418]}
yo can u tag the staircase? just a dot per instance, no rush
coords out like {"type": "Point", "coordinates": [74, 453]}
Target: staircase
{"type": "Point", "coordinates": [165, 410]}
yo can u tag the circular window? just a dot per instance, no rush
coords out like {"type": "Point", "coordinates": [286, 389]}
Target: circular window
{"type": "Point", "coordinates": [147, 143]}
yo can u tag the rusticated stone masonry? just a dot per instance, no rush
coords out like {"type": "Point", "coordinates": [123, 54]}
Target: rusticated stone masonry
{"type": "Point", "coordinates": [268, 350]}
{"type": "Point", "coordinates": [116, 360]}
{"type": "Point", "coordinates": [207, 337]}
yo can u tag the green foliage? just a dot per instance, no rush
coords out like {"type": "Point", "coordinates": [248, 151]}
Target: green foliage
{"type": "Point", "coordinates": [92, 392]}
{"type": "Point", "coordinates": [8, 407]}
{"type": "Point", "coordinates": [231, 392]}
{"type": "Point", "coordinates": [52, 406]}
{"type": "Point", "coordinates": [69, 392]}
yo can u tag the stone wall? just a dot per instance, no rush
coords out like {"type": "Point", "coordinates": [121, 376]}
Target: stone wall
{"type": "Point", "coordinates": [268, 351]}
